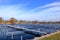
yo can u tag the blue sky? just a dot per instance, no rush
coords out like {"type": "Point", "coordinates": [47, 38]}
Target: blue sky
{"type": "Point", "coordinates": [41, 10]}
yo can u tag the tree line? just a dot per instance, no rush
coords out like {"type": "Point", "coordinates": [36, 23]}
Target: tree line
{"type": "Point", "coordinates": [12, 20]}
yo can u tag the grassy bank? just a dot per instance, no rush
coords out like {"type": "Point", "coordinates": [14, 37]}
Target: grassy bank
{"type": "Point", "coordinates": [52, 37]}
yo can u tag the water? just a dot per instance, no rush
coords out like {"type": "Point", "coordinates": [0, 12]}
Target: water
{"type": "Point", "coordinates": [7, 33]}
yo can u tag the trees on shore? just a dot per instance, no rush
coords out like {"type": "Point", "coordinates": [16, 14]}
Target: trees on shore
{"type": "Point", "coordinates": [15, 21]}
{"type": "Point", "coordinates": [1, 20]}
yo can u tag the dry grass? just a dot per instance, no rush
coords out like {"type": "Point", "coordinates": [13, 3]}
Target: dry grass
{"type": "Point", "coordinates": [56, 36]}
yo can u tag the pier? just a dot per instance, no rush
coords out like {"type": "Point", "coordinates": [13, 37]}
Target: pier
{"type": "Point", "coordinates": [29, 31]}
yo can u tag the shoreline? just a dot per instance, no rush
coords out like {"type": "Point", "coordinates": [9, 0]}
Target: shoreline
{"type": "Point", "coordinates": [39, 38]}
{"type": "Point", "coordinates": [28, 23]}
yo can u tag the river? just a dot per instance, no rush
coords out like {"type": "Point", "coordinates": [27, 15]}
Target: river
{"type": "Point", "coordinates": [7, 33]}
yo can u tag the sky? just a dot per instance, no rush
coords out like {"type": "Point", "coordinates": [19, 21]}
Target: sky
{"type": "Point", "coordinates": [30, 10]}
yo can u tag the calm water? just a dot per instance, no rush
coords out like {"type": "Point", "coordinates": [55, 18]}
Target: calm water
{"type": "Point", "coordinates": [6, 32]}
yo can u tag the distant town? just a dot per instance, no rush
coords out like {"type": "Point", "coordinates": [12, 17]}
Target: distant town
{"type": "Point", "coordinates": [15, 21]}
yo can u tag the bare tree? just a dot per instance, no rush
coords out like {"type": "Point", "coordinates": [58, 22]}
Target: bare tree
{"type": "Point", "coordinates": [1, 20]}
{"type": "Point", "coordinates": [12, 20]}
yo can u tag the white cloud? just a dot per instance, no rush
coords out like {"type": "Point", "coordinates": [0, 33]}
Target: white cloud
{"type": "Point", "coordinates": [54, 4]}
{"type": "Point", "coordinates": [48, 14]}
{"type": "Point", "coordinates": [11, 11]}
{"type": "Point", "coordinates": [19, 12]}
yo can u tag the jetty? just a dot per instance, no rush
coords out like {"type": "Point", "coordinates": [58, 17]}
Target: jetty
{"type": "Point", "coordinates": [29, 31]}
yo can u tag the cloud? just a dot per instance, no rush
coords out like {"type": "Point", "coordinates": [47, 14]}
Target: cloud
{"type": "Point", "coordinates": [8, 11]}
{"type": "Point", "coordinates": [49, 12]}
{"type": "Point", "coordinates": [46, 14]}
{"type": "Point", "coordinates": [54, 4]}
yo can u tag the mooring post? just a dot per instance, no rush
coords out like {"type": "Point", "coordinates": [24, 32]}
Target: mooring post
{"type": "Point", "coordinates": [7, 34]}
{"type": "Point", "coordinates": [22, 35]}
{"type": "Point", "coordinates": [0, 28]}
{"type": "Point", "coordinates": [12, 36]}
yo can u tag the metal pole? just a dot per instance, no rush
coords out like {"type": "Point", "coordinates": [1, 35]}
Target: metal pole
{"type": "Point", "coordinates": [21, 37]}
{"type": "Point", "coordinates": [12, 36]}
{"type": "Point", "coordinates": [0, 27]}
{"type": "Point", "coordinates": [7, 34]}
